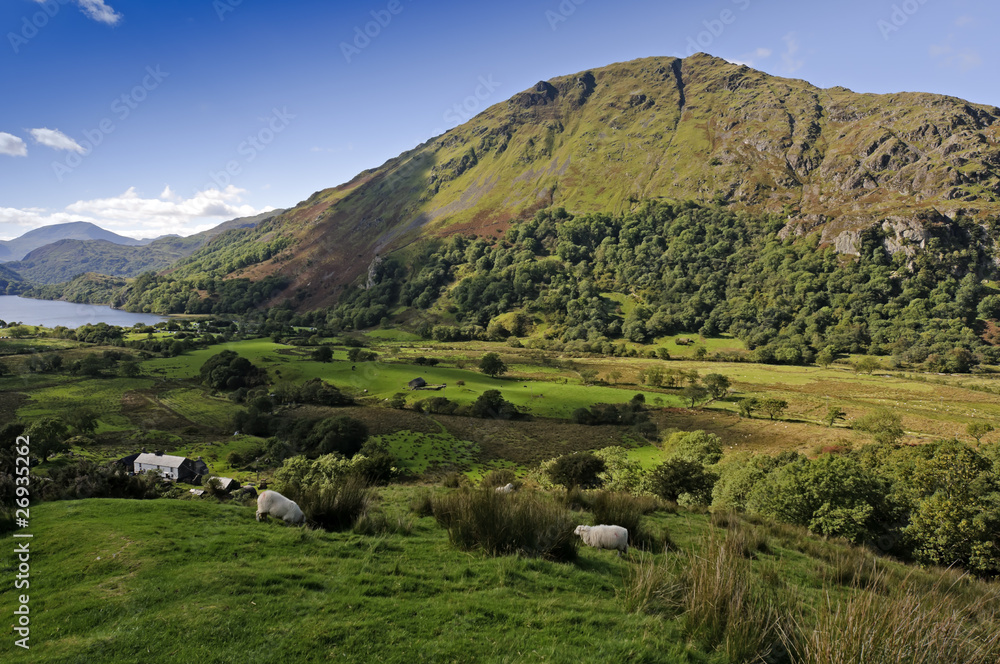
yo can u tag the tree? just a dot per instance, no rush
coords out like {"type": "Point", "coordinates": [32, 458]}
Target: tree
{"type": "Point", "coordinates": [825, 357]}
{"type": "Point", "coordinates": [322, 354]}
{"type": "Point", "coordinates": [884, 425]}
{"type": "Point", "coordinates": [83, 420]}
{"type": "Point", "coordinates": [866, 364]}
{"type": "Point", "coordinates": [978, 429]}
{"type": "Point", "coordinates": [717, 385]}
{"type": "Point", "coordinates": [833, 413]}
{"type": "Point", "coordinates": [700, 446]}
{"type": "Point", "coordinates": [344, 435]}
{"type": "Point", "coordinates": [580, 469]}
{"type": "Point", "coordinates": [653, 376]}
{"type": "Point", "coordinates": [747, 406]}
{"type": "Point", "coordinates": [129, 369]}
{"type": "Point", "coordinates": [228, 371]}
{"type": "Point", "coordinates": [588, 376]}
{"type": "Point", "coordinates": [48, 436]}
{"type": "Point", "coordinates": [492, 405]}
{"type": "Point", "coordinates": [492, 365]}
{"type": "Point", "coordinates": [676, 477]}
{"type": "Point", "coordinates": [694, 393]}
{"type": "Point", "coordinates": [834, 495]}
{"type": "Point", "coordinates": [614, 375]}
{"type": "Point", "coordinates": [773, 407]}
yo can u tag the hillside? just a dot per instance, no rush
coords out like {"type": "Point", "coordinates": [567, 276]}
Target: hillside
{"type": "Point", "coordinates": [167, 580]}
{"type": "Point", "coordinates": [19, 247]}
{"type": "Point", "coordinates": [63, 260]}
{"type": "Point", "coordinates": [829, 161]}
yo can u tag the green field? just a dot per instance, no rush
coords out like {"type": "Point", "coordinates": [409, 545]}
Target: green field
{"type": "Point", "coordinates": [195, 580]}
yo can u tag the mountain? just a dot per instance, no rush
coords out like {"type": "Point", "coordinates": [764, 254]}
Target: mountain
{"type": "Point", "coordinates": [829, 161]}
{"type": "Point", "coordinates": [19, 247]}
{"type": "Point", "coordinates": [63, 260]}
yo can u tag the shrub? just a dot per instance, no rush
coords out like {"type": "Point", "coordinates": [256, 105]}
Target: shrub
{"type": "Point", "coordinates": [502, 524]}
{"type": "Point", "coordinates": [498, 477]}
{"type": "Point", "coordinates": [679, 477]}
{"type": "Point", "coordinates": [619, 509]}
{"type": "Point", "coordinates": [579, 469]}
{"type": "Point", "coordinates": [335, 506]}
{"type": "Point", "coordinates": [699, 446]}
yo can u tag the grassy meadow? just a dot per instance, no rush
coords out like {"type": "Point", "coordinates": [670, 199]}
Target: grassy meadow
{"type": "Point", "coordinates": [200, 580]}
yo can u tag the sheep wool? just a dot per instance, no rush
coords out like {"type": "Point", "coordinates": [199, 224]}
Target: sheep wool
{"type": "Point", "coordinates": [274, 504]}
{"type": "Point", "coordinates": [604, 537]}
{"type": "Point", "coordinates": [507, 488]}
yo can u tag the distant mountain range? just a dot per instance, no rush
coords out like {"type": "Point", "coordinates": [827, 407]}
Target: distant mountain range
{"type": "Point", "coordinates": [66, 257]}
{"type": "Point", "coordinates": [19, 247]}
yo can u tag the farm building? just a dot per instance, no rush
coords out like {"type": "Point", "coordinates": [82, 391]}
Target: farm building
{"type": "Point", "coordinates": [200, 467]}
{"type": "Point", "coordinates": [171, 467]}
{"type": "Point", "coordinates": [227, 484]}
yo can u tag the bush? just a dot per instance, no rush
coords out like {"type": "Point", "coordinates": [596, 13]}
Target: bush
{"type": "Point", "coordinates": [499, 477]}
{"type": "Point", "coordinates": [622, 509]}
{"type": "Point", "coordinates": [503, 524]}
{"type": "Point", "coordinates": [679, 477]}
{"type": "Point", "coordinates": [334, 507]}
{"type": "Point", "coordinates": [698, 446]}
{"type": "Point", "coordinates": [580, 469]}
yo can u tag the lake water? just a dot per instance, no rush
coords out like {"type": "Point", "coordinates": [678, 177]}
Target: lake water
{"type": "Point", "coordinates": [50, 313]}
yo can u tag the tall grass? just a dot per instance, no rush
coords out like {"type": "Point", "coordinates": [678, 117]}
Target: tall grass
{"type": "Point", "coordinates": [726, 607]}
{"type": "Point", "coordinates": [722, 604]}
{"type": "Point", "coordinates": [335, 506]}
{"type": "Point", "coordinates": [501, 524]}
{"type": "Point", "coordinates": [904, 625]}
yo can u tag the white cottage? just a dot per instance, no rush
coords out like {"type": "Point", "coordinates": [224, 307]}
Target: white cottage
{"type": "Point", "coordinates": [174, 468]}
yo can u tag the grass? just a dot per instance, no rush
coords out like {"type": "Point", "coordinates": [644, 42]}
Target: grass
{"type": "Point", "coordinates": [169, 581]}
{"type": "Point", "coordinates": [184, 580]}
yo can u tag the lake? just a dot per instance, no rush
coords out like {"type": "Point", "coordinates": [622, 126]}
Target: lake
{"type": "Point", "coordinates": [50, 313]}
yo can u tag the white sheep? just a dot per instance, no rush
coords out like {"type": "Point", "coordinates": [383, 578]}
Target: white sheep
{"type": "Point", "coordinates": [507, 488]}
{"type": "Point", "coordinates": [604, 537]}
{"type": "Point", "coordinates": [272, 502]}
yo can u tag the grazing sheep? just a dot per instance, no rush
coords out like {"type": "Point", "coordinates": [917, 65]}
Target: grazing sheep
{"type": "Point", "coordinates": [507, 488]}
{"type": "Point", "coordinates": [604, 537]}
{"type": "Point", "coordinates": [272, 502]}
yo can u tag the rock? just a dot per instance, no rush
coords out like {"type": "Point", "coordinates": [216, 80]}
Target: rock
{"type": "Point", "coordinates": [848, 242]}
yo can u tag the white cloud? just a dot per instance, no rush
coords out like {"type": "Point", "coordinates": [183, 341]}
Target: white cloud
{"type": "Point", "coordinates": [946, 54]}
{"type": "Point", "coordinates": [97, 10]}
{"type": "Point", "coordinates": [792, 63]}
{"type": "Point", "coordinates": [56, 140]}
{"type": "Point", "coordinates": [131, 214]}
{"type": "Point", "coordinates": [12, 145]}
{"type": "Point", "coordinates": [753, 56]}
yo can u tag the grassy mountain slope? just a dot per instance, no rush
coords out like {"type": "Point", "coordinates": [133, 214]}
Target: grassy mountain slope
{"type": "Point", "coordinates": [699, 128]}
{"type": "Point", "coordinates": [65, 259]}
{"type": "Point", "coordinates": [19, 247]}
{"type": "Point", "coordinates": [167, 581]}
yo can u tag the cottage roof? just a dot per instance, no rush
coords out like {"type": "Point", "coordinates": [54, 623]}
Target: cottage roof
{"type": "Point", "coordinates": [164, 460]}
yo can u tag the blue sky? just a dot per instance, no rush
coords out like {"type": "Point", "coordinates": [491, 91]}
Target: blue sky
{"type": "Point", "coordinates": [170, 117]}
